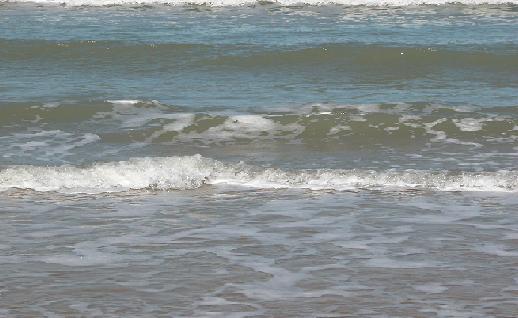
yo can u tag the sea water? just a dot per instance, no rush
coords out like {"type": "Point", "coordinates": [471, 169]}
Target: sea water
{"type": "Point", "coordinates": [258, 159]}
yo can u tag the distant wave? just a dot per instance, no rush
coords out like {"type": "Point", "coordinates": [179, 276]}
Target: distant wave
{"type": "Point", "coordinates": [191, 172]}
{"type": "Point", "coordinates": [350, 57]}
{"type": "Point", "coordinates": [280, 2]}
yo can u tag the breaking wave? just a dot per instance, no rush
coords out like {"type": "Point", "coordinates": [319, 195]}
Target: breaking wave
{"type": "Point", "coordinates": [366, 126]}
{"type": "Point", "coordinates": [191, 172]}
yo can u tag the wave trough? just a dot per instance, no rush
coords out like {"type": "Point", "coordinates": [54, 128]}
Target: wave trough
{"type": "Point", "coordinates": [191, 172]}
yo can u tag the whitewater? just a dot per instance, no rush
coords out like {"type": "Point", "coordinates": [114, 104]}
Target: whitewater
{"type": "Point", "coordinates": [180, 173]}
{"type": "Point", "coordinates": [259, 159]}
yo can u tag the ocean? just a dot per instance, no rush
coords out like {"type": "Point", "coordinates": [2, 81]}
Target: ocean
{"type": "Point", "coordinates": [355, 158]}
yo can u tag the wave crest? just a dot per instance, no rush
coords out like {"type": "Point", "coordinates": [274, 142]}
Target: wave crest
{"type": "Point", "coordinates": [191, 172]}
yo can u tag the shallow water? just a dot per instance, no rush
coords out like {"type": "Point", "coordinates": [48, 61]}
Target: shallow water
{"type": "Point", "coordinates": [247, 253]}
{"type": "Point", "coordinates": [258, 160]}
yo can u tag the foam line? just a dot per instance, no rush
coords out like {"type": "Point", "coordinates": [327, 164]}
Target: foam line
{"type": "Point", "coordinates": [191, 172]}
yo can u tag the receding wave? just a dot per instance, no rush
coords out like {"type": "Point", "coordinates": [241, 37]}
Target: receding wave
{"type": "Point", "coordinates": [191, 172]}
{"type": "Point", "coordinates": [281, 2]}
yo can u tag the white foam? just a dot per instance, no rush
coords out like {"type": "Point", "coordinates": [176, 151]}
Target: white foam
{"type": "Point", "coordinates": [192, 172]}
{"type": "Point", "coordinates": [469, 124]}
{"type": "Point", "coordinates": [237, 126]}
{"type": "Point", "coordinates": [280, 2]}
{"type": "Point", "coordinates": [117, 101]}
{"type": "Point", "coordinates": [181, 121]}
{"type": "Point", "coordinates": [45, 144]}
{"type": "Point", "coordinates": [162, 173]}
{"type": "Point", "coordinates": [338, 129]}
{"type": "Point", "coordinates": [431, 288]}
{"type": "Point", "coordinates": [250, 127]}
{"type": "Point", "coordinates": [496, 249]}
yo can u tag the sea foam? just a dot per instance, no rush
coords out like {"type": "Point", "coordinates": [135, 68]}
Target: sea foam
{"type": "Point", "coordinates": [279, 2]}
{"type": "Point", "coordinates": [191, 172]}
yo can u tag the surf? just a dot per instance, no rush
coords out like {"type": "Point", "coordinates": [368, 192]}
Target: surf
{"type": "Point", "coordinates": [193, 172]}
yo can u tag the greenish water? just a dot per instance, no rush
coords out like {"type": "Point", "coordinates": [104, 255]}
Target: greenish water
{"type": "Point", "coordinates": [258, 160]}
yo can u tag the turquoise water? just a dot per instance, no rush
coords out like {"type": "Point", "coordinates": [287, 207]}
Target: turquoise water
{"type": "Point", "coordinates": [258, 159]}
{"type": "Point", "coordinates": [265, 55]}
